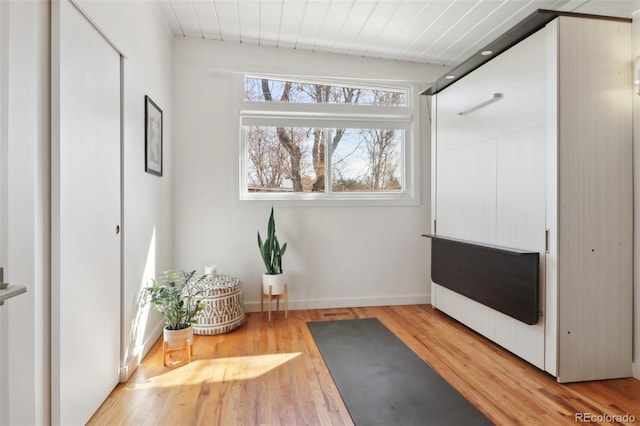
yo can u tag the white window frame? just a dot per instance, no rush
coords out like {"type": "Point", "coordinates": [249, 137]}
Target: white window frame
{"type": "Point", "coordinates": [334, 116]}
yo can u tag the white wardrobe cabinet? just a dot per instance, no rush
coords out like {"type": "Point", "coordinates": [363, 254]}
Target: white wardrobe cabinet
{"type": "Point", "coordinates": [531, 150]}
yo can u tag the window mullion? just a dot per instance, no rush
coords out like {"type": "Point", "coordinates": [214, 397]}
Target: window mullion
{"type": "Point", "coordinates": [328, 170]}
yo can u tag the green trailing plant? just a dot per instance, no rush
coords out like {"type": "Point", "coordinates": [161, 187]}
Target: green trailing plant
{"type": "Point", "coordinates": [179, 298]}
{"type": "Point", "coordinates": [270, 249]}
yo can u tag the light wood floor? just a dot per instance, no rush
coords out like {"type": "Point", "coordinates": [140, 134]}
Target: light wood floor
{"type": "Point", "coordinates": [272, 374]}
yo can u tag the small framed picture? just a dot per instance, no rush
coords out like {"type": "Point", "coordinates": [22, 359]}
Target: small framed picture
{"type": "Point", "coordinates": [153, 137]}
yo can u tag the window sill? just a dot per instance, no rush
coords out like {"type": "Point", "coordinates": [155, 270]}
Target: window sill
{"type": "Point", "coordinates": [347, 200]}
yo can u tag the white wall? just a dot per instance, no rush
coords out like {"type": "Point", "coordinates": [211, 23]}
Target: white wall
{"type": "Point", "coordinates": [338, 255]}
{"type": "Point", "coordinates": [139, 31]}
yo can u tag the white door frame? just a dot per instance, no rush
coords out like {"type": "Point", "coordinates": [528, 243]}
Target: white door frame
{"type": "Point", "coordinates": [4, 53]}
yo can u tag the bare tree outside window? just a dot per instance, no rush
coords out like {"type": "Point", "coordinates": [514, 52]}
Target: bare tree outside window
{"type": "Point", "coordinates": [294, 159]}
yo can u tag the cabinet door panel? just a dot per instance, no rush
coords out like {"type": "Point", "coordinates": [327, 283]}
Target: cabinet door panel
{"type": "Point", "coordinates": [520, 181]}
{"type": "Point", "coordinates": [595, 200]}
{"type": "Point", "coordinates": [466, 206]}
{"type": "Point", "coordinates": [490, 177]}
{"type": "Point", "coordinates": [490, 162]}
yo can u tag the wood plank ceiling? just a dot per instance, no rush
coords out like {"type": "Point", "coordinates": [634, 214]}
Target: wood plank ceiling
{"type": "Point", "coordinates": [443, 32]}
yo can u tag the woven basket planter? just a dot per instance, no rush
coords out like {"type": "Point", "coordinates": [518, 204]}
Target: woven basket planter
{"type": "Point", "coordinates": [224, 306]}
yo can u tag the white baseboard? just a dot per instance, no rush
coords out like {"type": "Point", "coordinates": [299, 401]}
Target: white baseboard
{"type": "Point", "coordinates": [346, 303]}
{"type": "Point", "coordinates": [635, 367]}
{"type": "Point", "coordinates": [129, 366]}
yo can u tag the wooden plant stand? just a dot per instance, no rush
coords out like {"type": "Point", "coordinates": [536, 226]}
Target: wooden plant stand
{"type": "Point", "coordinates": [277, 298]}
{"type": "Point", "coordinates": [188, 348]}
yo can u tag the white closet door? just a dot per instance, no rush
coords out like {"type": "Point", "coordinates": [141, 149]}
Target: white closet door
{"type": "Point", "coordinates": [85, 214]}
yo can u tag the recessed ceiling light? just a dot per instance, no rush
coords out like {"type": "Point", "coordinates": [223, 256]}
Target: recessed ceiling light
{"type": "Point", "coordinates": [486, 52]}
{"type": "Point", "coordinates": [450, 77]}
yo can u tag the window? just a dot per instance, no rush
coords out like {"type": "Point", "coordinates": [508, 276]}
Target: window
{"type": "Point", "coordinates": [319, 140]}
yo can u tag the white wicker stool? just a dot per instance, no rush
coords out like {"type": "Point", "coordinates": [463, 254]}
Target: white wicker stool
{"type": "Point", "coordinates": [224, 306]}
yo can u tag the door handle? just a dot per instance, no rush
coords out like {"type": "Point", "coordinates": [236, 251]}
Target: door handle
{"type": "Point", "coordinates": [493, 98]}
{"type": "Point", "coordinates": [7, 290]}
{"type": "Point", "coordinates": [117, 229]}
{"type": "Point", "coordinates": [546, 241]}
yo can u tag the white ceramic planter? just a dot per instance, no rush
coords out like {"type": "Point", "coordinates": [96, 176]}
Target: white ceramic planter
{"type": "Point", "coordinates": [275, 281]}
{"type": "Point", "coordinates": [175, 338]}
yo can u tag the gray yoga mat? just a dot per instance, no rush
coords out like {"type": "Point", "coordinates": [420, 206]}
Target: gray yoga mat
{"type": "Point", "coordinates": [383, 382]}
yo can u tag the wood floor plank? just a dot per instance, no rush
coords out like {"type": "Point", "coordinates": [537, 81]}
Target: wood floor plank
{"type": "Point", "coordinates": [272, 373]}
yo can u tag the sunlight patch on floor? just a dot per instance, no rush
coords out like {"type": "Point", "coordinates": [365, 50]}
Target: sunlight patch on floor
{"type": "Point", "coordinates": [219, 370]}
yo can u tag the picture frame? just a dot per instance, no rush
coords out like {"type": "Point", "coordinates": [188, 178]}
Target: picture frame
{"type": "Point", "coordinates": [153, 137]}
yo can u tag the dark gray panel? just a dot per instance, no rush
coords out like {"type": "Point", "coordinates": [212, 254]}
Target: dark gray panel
{"type": "Point", "coordinates": [506, 280]}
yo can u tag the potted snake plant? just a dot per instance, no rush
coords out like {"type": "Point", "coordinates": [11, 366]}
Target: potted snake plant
{"type": "Point", "coordinates": [271, 252]}
{"type": "Point", "coordinates": [179, 298]}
